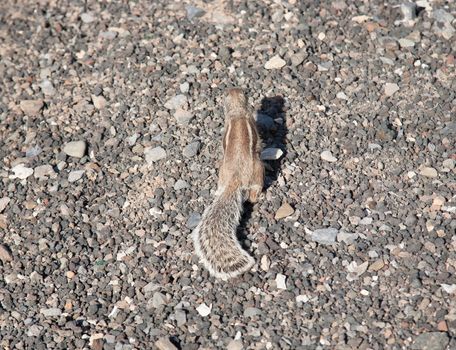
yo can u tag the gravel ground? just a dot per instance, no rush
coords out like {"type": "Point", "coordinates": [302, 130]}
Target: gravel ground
{"type": "Point", "coordinates": [110, 128]}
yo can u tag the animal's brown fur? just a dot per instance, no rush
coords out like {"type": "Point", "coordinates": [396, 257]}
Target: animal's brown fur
{"type": "Point", "coordinates": [240, 177]}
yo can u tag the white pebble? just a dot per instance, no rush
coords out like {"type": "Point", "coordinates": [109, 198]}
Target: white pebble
{"type": "Point", "coordinates": [428, 172]}
{"type": "Point", "coordinates": [87, 17]}
{"type": "Point", "coordinates": [154, 154]}
{"type": "Point", "coordinates": [75, 149]}
{"type": "Point", "coordinates": [448, 163]}
{"type": "Point", "coordinates": [99, 101]}
{"type": "Point", "coordinates": [275, 62]}
{"type": "Point", "coordinates": [302, 298]}
{"type": "Point", "coordinates": [265, 263]}
{"type": "Point", "coordinates": [43, 171]}
{"type": "Point", "coordinates": [235, 345]}
{"type": "Point", "coordinates": [47, 87]}
{"type": "Point", "coordinates": [204, 310]}
{"type": "Point", "coordinates": [391, 89]}
{"type": "Point", "coordinates": [52, 312]}
{"type": "Point", "coordinates": [176, 102]}
{"type": "Point", "coordinates": [449, 288]}
{"type": "Point", "coordinates": [327, 156]}
{"type": "Point", "coordinates": [21, 172]}
{"type": "Point", "coordinates": [271, 154]}
{"type": "Point", "coordinates": [356, 270]}
{"type": "Point", "coordinates": [280, 280]}
{"type": "Point", "coordinates": [341, 95]}
{"type": "Point", "coordinates": [366, 221]}
{"type": "Point", "coordinates": [75, 175]}
{"type": "Point", "coordinates": [411, 174]}
{"type": "Point", "coordinates": [184, 87]}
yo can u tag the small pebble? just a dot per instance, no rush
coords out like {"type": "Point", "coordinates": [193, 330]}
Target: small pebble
{"type": "Point", "coordinates": [52, 312]}
{"type": "Point", "coordinates": [176, 102]}
{"type": "Point", "coordinates": [302, 298]}
{"type": "Point", "coordinates": [298, 58]}
{"type": "Point", "coordinates": [341, 95]}
{"type": "Point", "coordinates": [442, 16]}
{"type": "Point", "coordinates": [204, 310]}
{"type": "Point", "coordinates": [75, 149]}
{"type": "Point", "coordinates": [180, 184]}
{"type": "Point", "coordinates": [339, 5]}
{"type": "Point", "coordinates": [252, 311]}
{"type": "Point", "coordinates": [108, 35]}
{"type": "Point", "coordinates": [448, 163]}
{"type": "Point", "coordinates": [193, 12]}
{"type": "Point", "coordinates": [34, 330]}
{"type": "Point", "coordinates": [158, 299]}
{"type": "Point", "coordinates": [181, 317]}
{"type": "Point", "coordinates": [275, 62]}
{"type": "Point", "coordinates": [183, 117]}
{"type": "Point", "coordinates": [271, 154]}
{"type": "Point", "coordinates": [377, 265]}
{"type": "Point", "coordinates": [449, 288]}
{"type": "Point", "coordinates": [408, 11]}
{"type": "Point", "coordinates": [193, 220]}
{"type": "Point", "coordinates": [442, 326]}
{"type": "Point", "coordinates": [33, 151]}
{"type": "Point", "coordinates": [31, 107]}
{"type": "Point", "coordinates": [47, 87]}
{"type": "Point", "coordinates": [284, 211]}
{"type": "Point", "coordinates": [3, 203]}
{"type": "Point", "coordinates": [325, 236]}
{"type": "Point", "coordinates": [280, 281]}
{"type": "Point", "coordinates": [429, 172]}
{"type": "Point", "coordinates": [21, 171]}
{"type": "Point", "coordinates": [327, 156]}
{"type": "Point", "coordinates": [184, 87]}
{"type": "Point", "coordinates": [44, 171]}
{"type": "Point", "coordinates": [154, 154]}
{"type": "Point", "coordinates": [391, 89]}
{"type": "Point", "coordinates": [235, 345]}
{"type": "Point", "coordinates": [5, 253]}
{"type": "Point", "coordinates": [356, 270]}
{"type": "Point", "coordinates": [99, 101]}
{"type": "Point", "coordinates": [87, 17]}
{"type": "Point", "coordinates": [348, 238]}
{"type": "Point", "coordinates": [75, 175]}
{"type": "Point", "coordinates": [265, 263]}
{"type": "Point", "coordinates": [191, 149]}
{"type": "Point", "coordinates": [366, 221]}
{"type": "Point", "coordinates": [405, 43]}
{"type": "Point", "coordinates": [361, 19]}
{"type": "Point", "coordinates": [132, 139]}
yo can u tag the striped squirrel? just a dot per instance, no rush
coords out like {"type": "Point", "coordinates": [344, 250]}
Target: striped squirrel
{"type": "Point", "coordinates": [240, 178]}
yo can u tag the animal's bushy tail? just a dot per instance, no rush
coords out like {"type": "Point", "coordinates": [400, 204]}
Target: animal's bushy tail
{"type": "Point", "coordinates": [215, 238]}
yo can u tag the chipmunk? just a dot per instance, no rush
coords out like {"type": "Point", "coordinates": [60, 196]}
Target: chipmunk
{"type": "Point", "coordinates": [241, 176]}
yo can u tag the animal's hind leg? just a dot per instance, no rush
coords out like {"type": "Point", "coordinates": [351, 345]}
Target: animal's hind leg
{"type": "Point", "coordinates": [257, 181]}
